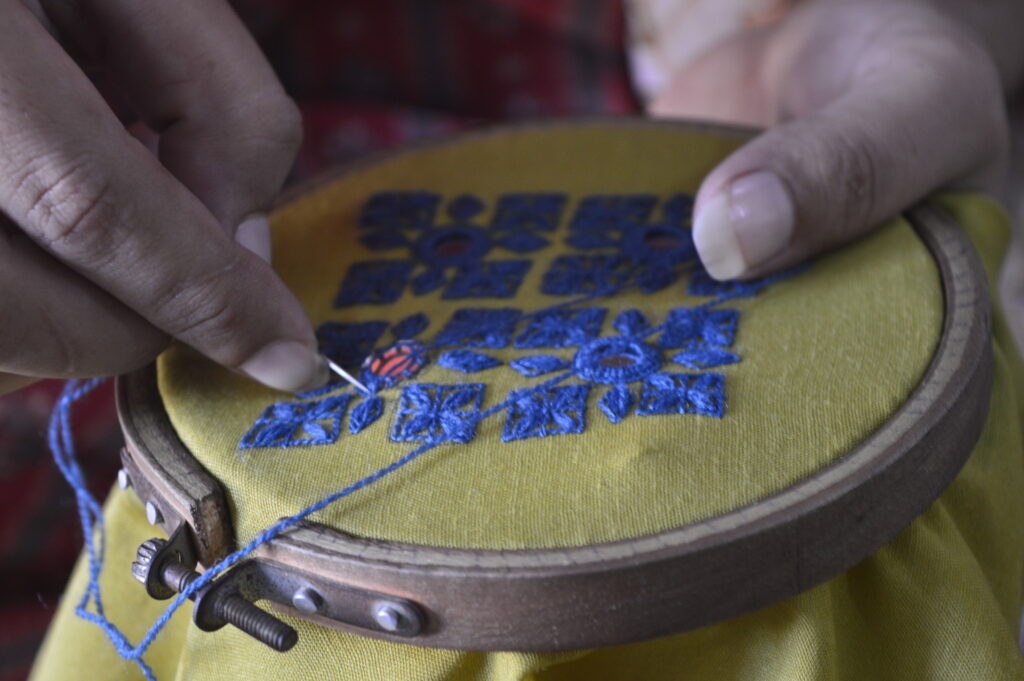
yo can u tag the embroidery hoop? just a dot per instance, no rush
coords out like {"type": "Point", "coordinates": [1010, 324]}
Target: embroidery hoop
{"type": "Point", "coordinates": [629, 590]}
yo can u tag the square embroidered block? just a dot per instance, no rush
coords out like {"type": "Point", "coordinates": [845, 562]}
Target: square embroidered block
{"type": "Point", "coordinates": [374, 282]}
{"type": "Point", "coordinates": [683, 394]}
{"type": "Point", "coordinates": [614, 211]}
{"type": "Point", "coordinates": [480, 327]}
{"type": "Point", "coordinates": [524, 211]}
{"type": "Point", "coordinates": [438, 413]}
{"type": "Point", "coordinates": [687, 327]}
{"type": "Point", "coordinates": [571, 274]}
{"type": "Point", "coordinates": [487, 279]}
{"type": "Point", "coordinates": [288, 424]}
{"type": "Point", "coordinates": [539, 413]}
{"type": "Point", "coordinates": [400, 210]}
{"type": "Point", "coordinates": [558, 328]}
{"type": "Point", "coordinates": [348, 343]}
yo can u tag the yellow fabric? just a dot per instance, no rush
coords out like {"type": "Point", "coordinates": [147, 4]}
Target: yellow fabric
{"type": "Point", "coordinates": [941, 602]}
{"type": "Point", "coordinates": [826, 358]}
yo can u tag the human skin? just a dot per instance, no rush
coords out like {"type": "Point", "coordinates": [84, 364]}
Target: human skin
{"type": "Point", "coordinates": [107, 251]}
{"type": "Point", "coordinates": [869, 106]}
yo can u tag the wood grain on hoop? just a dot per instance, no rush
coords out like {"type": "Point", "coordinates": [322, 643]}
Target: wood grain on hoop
{"type": "Point", "coordinates": [163, 471]}
{"type": "Point", "coordinates": [649, 586]}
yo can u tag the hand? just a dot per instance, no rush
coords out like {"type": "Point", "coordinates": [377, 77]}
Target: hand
{"type": "Point", "coordinates": [107, 250]}
{"type": "Point", "coordinates": [870, 106]}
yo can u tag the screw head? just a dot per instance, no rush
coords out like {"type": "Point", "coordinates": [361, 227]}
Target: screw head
{"type": "Point", "coordinates": [123, 481]}
{"type": "Point", "coordinates": [307, 600]}
{"type": "Point", "coordinates": [387, 616]}
{"type": "Point", "coordinates": [153, 514]}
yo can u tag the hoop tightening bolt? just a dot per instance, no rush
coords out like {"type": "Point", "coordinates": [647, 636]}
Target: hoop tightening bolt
{"type": "Point", "coordinates": [222, 605]}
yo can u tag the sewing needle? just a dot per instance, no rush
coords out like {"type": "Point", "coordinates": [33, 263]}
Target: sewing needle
{"type": "Point", "coordinates": [347, 376]}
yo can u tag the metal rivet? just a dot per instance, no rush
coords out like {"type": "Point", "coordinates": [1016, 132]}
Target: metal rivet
{"type": "Point", "coordinates": [307, 600]}
{"type": "Point", "coordinates": [153, 514]}
{"type": "Point", "coordinates": [387, 616]}
{"type": "Point", "coordinates": [123, 481]}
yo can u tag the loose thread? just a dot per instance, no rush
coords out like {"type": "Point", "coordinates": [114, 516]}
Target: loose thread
{"type": "Point", "coordinates": [90, 514]}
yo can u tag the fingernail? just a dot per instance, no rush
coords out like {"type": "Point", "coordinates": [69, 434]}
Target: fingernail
{"type": "Point", "coordinates": [254, 233]}
{"type": "Point", "coordinates": [288, 366]}
{"type": "Point", "coordinates": [744, 225]}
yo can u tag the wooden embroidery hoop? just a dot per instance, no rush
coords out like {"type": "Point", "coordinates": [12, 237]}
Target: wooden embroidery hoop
{"type": "Point", "coordinates": [616, 592]}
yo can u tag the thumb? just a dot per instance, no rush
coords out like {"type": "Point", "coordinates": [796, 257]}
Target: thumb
{"type": "Point", "coordinates": [931, 117]}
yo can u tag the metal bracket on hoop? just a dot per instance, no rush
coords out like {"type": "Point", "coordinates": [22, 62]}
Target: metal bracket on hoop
{"type": "Point", "coordinates": [167, 567]}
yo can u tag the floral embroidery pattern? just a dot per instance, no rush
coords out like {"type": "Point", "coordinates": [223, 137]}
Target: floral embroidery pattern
{"type": "Point", "coordinates": [630, 366]}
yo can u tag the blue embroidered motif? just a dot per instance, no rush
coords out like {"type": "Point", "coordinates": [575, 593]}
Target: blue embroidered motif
{"type": "Point", "coordinates": [452, 246]}
{"type": "Point", "coordinates": [558, 328]}
{"type": "Point", "coordinates": [290, 424]}
{"type": "Point", "coordinates": [705, 358]}
{"type": "Point", "coordinates": [616, 359]}
{"type": "Point", "coordinates": [400, 210]}
{"type": "Point", "coordinates": [464, 206]}
{"type": "Point", "coordinates": [384, 240]}
{"type": "Point", "coordinates": [678, 210]}
{"type": "Point", "coordinates": [488, 279]}
{"type": "Point", "coordinates": [467, 361]}
{"type": "Point", "coordinates": [522, 242]}
{"type": "Point", "coordinates": [410, 327]}
{"type": "Point", "coordinates": [572, 274]}
{"type": "Point", "coordinates": [438, 413]}
{"type": "Point", "coordinates": [688, 327]}
{"type": "Point", "coordinates": [365, 413]}
{"type": "Point", "coordinates": [373, 282]}
{"type": "Point", "coordinates": [630, 322]}
{"type": "Point", "coordinates": [617, 211]}
{"type": "Point", "coordinates": [537, 365]}
{"type": "Point", "coordinates": [427, 281]}
{"type": "Point", "coordinates": [555, 411]}
{"type": "Point", "coordinates": [587, 240]}
{"type": "Point", "coordinates": [653, 248]}
{"type": "Point", "coordinates": [522, 211]}
{"type": "Point", "coordinates": [616, 403]}
{"type": "Point", "coordinates": [348, 343]}
{"type": "Point", "coordinates": [683, 394]}
{"type": "Point", "coordinates": [479, 327]}
{"type": "Point", "coordinates": [658, 243]}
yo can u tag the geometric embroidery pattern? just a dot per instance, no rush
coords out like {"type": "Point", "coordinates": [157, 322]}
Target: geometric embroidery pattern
{"type": "Point", "coordinates": [479, 328]}
{"type": "Point", "coordinates": [438, 413]}
{"type": "Point", "coordinates": [556, 411]}
{"type": "Point", "coordinates": [683, 394]}
{"type": "Point", "coordinates": [288, 424]}
{"type": "Point", "coordinates": [559, 328]}
{"type": "Point", "coordinates": [627, 241]}
{"type": "Point", "coordinates": [689, 327]}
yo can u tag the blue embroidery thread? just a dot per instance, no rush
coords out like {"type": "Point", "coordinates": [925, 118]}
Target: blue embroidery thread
{"type": "Point", "coordinates": [557, 411]}
{"type": "Point", "coordinates": [365, 414]}
{"type": "Point", "coordinates": [438, 413]}
{"type": "Point", "coordinates": [537, 365]}
{"type": "Point", "coordinates": [290, 424]}
{"type": "Point", "coordinates": [479, 328]}
{"type": "Point", "coordinates": [467, 361]}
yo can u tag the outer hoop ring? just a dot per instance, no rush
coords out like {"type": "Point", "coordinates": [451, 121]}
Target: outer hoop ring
{"type": "Point", "coordinates": [649, 586]}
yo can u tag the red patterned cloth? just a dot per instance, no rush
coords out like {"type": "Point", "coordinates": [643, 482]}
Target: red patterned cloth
{"type": "Point", "coordinates": [367, 76]}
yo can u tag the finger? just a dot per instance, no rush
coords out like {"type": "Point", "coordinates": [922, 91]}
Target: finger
{"type": "Point", "coordinates": [61, 325]}
{"type": "Point", "coordinates": [920, 110]}
{"type": "Point", "coordinates": [227, 129]}
{"type": "Point", "coordinates": [91, 196]}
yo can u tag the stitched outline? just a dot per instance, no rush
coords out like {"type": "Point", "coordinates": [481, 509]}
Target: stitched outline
{"type": "Point", "coordinates": [438, 413]}
{"type": "Point", "coordinates": [556, 411]}
{"type": "Point", "coordinates": [281, 423]}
